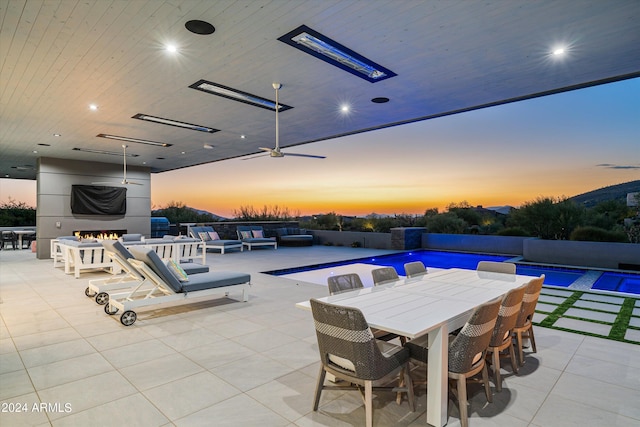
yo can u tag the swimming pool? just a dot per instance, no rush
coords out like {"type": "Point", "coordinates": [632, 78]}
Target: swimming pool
{"type": "Point", "coordinates": [555, 276]}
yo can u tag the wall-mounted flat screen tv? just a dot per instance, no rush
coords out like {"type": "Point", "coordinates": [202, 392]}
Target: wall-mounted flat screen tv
{"type": "Point", "coordinates": [98, 200]}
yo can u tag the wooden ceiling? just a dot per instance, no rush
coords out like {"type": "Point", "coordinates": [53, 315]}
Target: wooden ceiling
{"type": "Point", "coordinates": [57, 57]}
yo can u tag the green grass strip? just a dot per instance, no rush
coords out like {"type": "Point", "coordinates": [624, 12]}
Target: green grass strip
{"type": "Point", "coordinates": [621, 324]}
{"type": "Point", "coordinates": [561, 309]}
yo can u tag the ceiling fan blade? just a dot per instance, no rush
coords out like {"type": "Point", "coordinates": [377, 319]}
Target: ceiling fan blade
{"type": "Point", "coordinates": [254, 157]}
{"type": "Point", "coordinates": [304, 155]}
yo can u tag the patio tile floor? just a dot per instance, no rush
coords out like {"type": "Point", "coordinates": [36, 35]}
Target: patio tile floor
{"type": "Point", "coordinates": [224, 362]}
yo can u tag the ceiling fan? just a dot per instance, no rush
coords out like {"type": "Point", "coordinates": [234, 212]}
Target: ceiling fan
{"type": "Point", "coordinates": [124, 181]}
{"type": "Point", "coordinates": [276, 152]}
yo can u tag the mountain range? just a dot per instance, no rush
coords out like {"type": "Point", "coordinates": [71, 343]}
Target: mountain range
{"type": "Point", "coordinates": [612, 192]}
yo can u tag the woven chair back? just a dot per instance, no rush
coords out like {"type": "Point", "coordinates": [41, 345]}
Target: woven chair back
{"type": "Point", "coordinates": [344, 282]}
{"type": "Point", "coordinates": [497, 267]}
{"type": "Point", "coordinates": [469, 346]}
{"type": "Point", "coordinates": [415, 268]}
{"type": "Point", "coordinates": [529, 301]}
{"type": "Point", "coordinates": [384, 275]}
{"type": "Point", "coordinates": [507, 315]}
{"type": "Point", "coordinates": [343, 333]}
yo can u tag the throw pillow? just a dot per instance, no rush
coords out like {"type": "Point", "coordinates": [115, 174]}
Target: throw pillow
{"type": "Point", "coordinates": [213, 235]}
{"type": "Point", "coordinates": [245, 234]}
{"type": "Point", "coordinates": [258, 234]}
{"type": "Point", "coordinates": [204, 236]}
{"type": "Point", "coordinates": [177, 271]}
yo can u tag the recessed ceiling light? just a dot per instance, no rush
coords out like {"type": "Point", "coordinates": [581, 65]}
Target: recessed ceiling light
{"type": "Point", "coordinates": [208, 146]}
{"type": "Point", "coordinates": [93, 107]}
{"type": "Point", "coordinates": [380, 100]}
{"type": "Point", "coordinates": [139, 141]}
{"type": "Point", "coordinates": [200, 27]}
{"type": "Point", "coordinates": [57, 135]}
{"type": "Point", "coordinates": [237, 95]}
{"type": "Point", "coordinates": [558, 51]}
{"type": "Point", "coordinates": [35, 151]}
{"type": "Point", "coordinates": [176, 123]}
{"type": "Point", "coordinates": [171, 48]}
{"type": "Point", "coordinates": [242, 137]}
{"type": "Point", "coordinates": [345, 108]}
{"type": "Point", "coordinates": [332, 52]}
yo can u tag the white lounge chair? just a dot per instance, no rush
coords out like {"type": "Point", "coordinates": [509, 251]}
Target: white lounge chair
{"type": "Point", "coordinates": [120, 255]}
{"type": "Point", "coordinates": [161, 286]}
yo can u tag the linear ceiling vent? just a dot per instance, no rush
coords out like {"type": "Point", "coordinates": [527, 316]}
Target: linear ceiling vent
{"type": "Point", "coordinates": [237, 95]}
{"type": "Point", "coordinates": [175, 123]}
{"type": "Point", "coordinates": [322, 47]}
{"type": "Point", "coordinates": [136, 140]}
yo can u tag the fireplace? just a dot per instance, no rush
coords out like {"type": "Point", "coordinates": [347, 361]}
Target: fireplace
{"type": "Point", "coordinates": [99, 234]}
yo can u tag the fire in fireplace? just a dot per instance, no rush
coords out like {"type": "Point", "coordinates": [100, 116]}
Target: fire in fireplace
{"type": "Point", "coordinates": [99, 234]}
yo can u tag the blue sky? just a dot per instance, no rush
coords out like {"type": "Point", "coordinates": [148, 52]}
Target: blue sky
{"type": "Point", "coordinates": [558, 145]}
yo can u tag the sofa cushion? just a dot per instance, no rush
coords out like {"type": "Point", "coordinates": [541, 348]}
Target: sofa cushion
{"type": "Point", "coordinates": [131, 237]}
{"type": "Point", "coordinates": [215, 279]}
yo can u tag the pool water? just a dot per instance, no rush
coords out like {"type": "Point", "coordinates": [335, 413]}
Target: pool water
{"type": "Point", "coordinates": [618, 282]}
{"type": "Point", "coordinates": [555, 276]}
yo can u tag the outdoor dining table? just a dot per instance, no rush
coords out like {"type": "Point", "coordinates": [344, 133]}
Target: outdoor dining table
{"type": "Point", "coordinates": [21, 233]}
{"type": "Point", "coordinates": [433, 304]}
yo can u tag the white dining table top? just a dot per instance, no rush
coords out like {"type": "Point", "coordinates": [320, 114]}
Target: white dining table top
{"type": "Point", "coordinates": [413, 307]}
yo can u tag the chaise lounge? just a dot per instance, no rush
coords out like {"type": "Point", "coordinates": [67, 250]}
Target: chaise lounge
{"type": "Point", "coordinates": [120, 255]}
{"type": "Point", "coordinates": [253, 235]}
{"type": "Point", "coordinates": [162, 285]}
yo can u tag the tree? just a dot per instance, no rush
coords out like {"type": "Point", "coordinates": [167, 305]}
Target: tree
{"type": "Point", "coordinates": [15, 214]}
{"type": "Point", "coordinates": [446, 223]}
{"type": "Point", "coordinates": [548, 218]}
{"type": "Point", "coordinates": [267, 213]}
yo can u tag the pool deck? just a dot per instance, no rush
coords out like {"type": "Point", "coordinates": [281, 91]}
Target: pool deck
{"type": "Point", "coordinates": [223, 362]}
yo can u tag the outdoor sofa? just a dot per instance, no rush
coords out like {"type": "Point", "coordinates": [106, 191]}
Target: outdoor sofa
{"type": "Point", "coordinates": [291, 236]}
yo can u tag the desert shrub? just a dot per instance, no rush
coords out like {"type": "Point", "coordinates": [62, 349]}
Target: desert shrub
{"type": "Point", "coordinates": [596, 234]}
{"type": "Point", "coordinates": [513, 231]}
{"type": "Point", "coordinates": [446, 223]}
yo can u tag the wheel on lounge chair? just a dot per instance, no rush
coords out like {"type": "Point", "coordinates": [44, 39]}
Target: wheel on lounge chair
{"type": "Point", "coordinates": [108, 310]}
{"type": "Point", "coordinates": [88, 292]}
{"type": "Point", "coordinates": [102, 298]}
{"type": "Point", "coordinates": [128, 318]}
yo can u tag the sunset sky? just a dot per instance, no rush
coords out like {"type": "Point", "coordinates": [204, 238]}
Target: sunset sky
{"type": "Point", "coordinates": [559, 145]}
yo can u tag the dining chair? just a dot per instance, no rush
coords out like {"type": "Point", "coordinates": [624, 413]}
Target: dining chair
{"type": "Point", "coordinates": [524, 325]}
{"type": "Point", "coordinates": [349, 351]}
{"type": "Point", "coordinates": [384, 275]}
{"type": "Point", "coordinates": [466, 352]}
{"type": "Point", "coordinates": [501, 338]}
{"type": "Point", "coordinates": [344, 282]}
{"type": "Point", "coordinates": [415, 269]}
{"type": "Point", "coordinates": [497, 267]}
{"type": "Point", "coordinates": [349, 282]}
{"type": "Point", "coordinates": [27, 239]}
{"type": "Point", "coordinates": [9, 237]}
